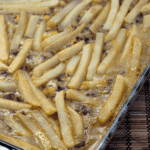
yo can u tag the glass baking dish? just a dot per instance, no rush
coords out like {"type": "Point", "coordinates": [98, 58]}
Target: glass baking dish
{"type": "Point", "coordinates": [115, 124]}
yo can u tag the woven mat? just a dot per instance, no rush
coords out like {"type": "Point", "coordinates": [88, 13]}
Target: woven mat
{"type": "Point", "coordinates": [134, 131]}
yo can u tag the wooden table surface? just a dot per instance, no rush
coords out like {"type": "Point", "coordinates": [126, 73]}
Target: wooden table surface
{"type": "Point", "coordinates": [134, 131]}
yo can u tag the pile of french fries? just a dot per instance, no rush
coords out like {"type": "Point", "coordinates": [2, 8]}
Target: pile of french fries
{"type": "Point", "coordinates": [86, 44]}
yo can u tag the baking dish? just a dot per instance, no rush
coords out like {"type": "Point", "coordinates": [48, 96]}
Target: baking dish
{"type": "Point", "coordinates": [124, 109]}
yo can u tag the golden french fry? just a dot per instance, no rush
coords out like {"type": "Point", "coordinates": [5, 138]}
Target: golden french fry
{"type": "Point", "coordinates": [50, 4]}
{"type": "Point", "coordinates": [77, 122]}
{"type": "Point", "coordinates": [78, 96]}
{"type": "Point", "coordinates": [20, 58]}
{"type": "Point", "coordinates": [16, 125]}
{"type": "Point", "coordinates": [38, 36]}
{"type": "Point", "coordinates": [118, 20]}
{"type": "Point", "coordinates": [46, 105]}
{"type": "Point", "coordinates": [112, 103]}
{"type": "Point", "coordinates": [80, 73]}
{"type": "Point", "coordinates": [93, 84]}
{"type": "Point", "coordinates": [146, 22]}
{"type": "Point", "coordinates": [100, 20]}
{"type": "Point", "coordinates": [40, 69]}
{"type": "Point", "coordinates": [34, 10]}
{"type": "Point", "coordinates": [128, 45]}
{"type": "Point", "coordinates": [52, 122]}
{"type": "Point", "coordinates": [120, 40]}
{"type": "Point", "coordinates": [17, 142]}
{"type": "Point", "coordinates": [4, 47]}
{"type": "Point", "coordinates": [56, 142]}
{"type": "Point", "coordinates": [72, 65]}
{"type": "Point", "coordinates": [71, 51]}
{"type": "Point", "coordinates": [3, 66]}
{"type": "Point", "coordinates": [65, 127]}
{"type": "Point", "coordinates": [56, 45]}
{"type": "Point", "coordinates": [19, 31]}
{"type": "Point", "coordinates": [7, 86]}
{"type": "Point", "coordinates": [136, 54]}
{"type": "Point", "coordinates": [56, 19]}
{"type": "Point", "coordinates": [31, 27]}
{"type": "Point", "coordinates": [145, 8]}
{"type": "Point", "coordinates": [49, 75]}
{"type": "Point", "coordinates": [12, 105]}
{"type": "Point", "coordinates": [98, 1]}
{"type": "Point", "coordinates": [135, 11]}
{"type": "Point", "coordinates": [112, 14]}
{"type": "Point", "coordinates": [25, 89]}
{"type": "Point", "coordinates": [71, 17]}
{"type": "Point", "coordinates": [90, 14]}
{"type": "Point", "coordinates": [18, 1]}
{"type": "Point", "coordinates": [55, 37]}
{"type": "Point", "coordinates": [36, 131]}
{"type": "Point", "coordinates": [96, 56]}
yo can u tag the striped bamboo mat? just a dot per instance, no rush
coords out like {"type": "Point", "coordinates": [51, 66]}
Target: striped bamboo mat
{"type": "Point", "coordinates": [134, 131]}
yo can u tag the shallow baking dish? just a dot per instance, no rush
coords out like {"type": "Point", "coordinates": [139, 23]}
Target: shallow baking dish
{"type": "Point", "coordinates": [124, 109]}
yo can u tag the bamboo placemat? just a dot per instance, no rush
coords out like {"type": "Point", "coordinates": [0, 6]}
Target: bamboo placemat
{"type": "Point", "coordinates": [134, 131]}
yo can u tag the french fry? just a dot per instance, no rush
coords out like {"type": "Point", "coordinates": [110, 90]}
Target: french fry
{"type": "Point", "coordinates": [112, 14]}
{"type": "Point", "coordinates": [77, 122]}
{"type": "Point", "coordinates": [118, 20]}
{"type": "Point", "coordinates": [90, 14]}
{"type": "Point", "coordinates": [146, 23]}
{"type": "Point", "coordinates": [135, 11]}
{"type": "Point", "coordinates": [56, 45]}
{"type": "Point", "coordinates": [40, 69]}
{"type": "Point", "coordinates": [81, 71]}
{"type": "Point", "coordinates": [35, 10]}
{"type": "Point", "coordinates": [3, 66]}
{"type": "Point", "coordinates": [80, 97]}
{"type": "Point", "coordinates": [98, 1]}
{"type": "Point", "coordinates": [36, 131]}
{"type": "Point", "coordinates": [71, 51]}
{"type": "Point", "coordinates": [17, 142]}
{"type": "Point", "coordinates": [18, 1]}
{"type": "Point", "coordinates": [86, 85]}
{"type": "Point", "coordinates": [96, 56]}
{"type": "Point", "coordinates": [55, 37]}
{"type": "Point", "coordinates": [7, 86]}
{"type": "Point", "coordinates": [46, 105]}
{"type": "Point", "coordinates": [50, 4]}
{"type": "Point", "coordinates": [20, 58]}
{"type": "Point", "coordinates": [72, 65]}
{"type": "Point", "coordinates": [53, 123]}
{"type": "Point", "coordinates": [12, 105]}
{"type": "Point", "coordinates": [56, 142]}
{"type": "Point", "coordinates": [16, 125]}
{"type": "Point", "coordinates": [136, 54]}
{"type": "Point", "coordinates": [65, 127]}
{"type": "Point", "coordinates": [145, 8]}
{"type": "Point", "coordinates": [71, 17]}
{"type": "Point", "coordinates": [128, 45]}
{"type": "Point", "coordinates": [120, 40]}
{"type": "Point", "coordinates": [112, 103]}
{"type": "Point", "coordinates": [4, 47]}
{"type": "Point", "coordinates": [38, 36]}
{"type": "Point", "coordinates": [31, 27]}
{"type": "Point", "coordinates": [49, 75]}
{"type": "Point", "coordinates": [19, 31]}
{"type": "Point", "coordinates": [56, 19]}
{"type": "Point", "coordinates": [100, 20]}
{"type": "Point", "coordinates": [26, 90]}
